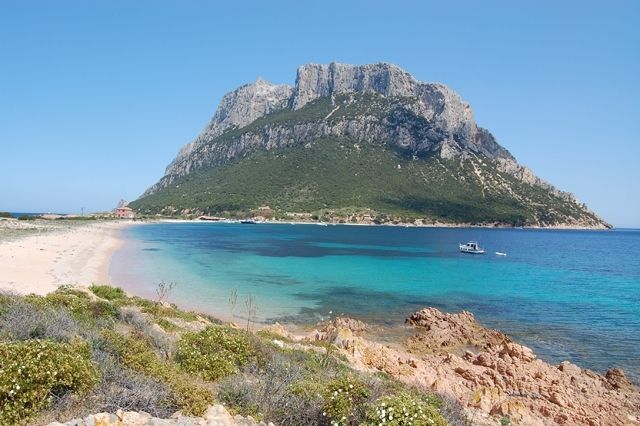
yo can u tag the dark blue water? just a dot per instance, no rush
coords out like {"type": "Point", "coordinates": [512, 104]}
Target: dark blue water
{"type": "Point", "coordinates": [568, 294]}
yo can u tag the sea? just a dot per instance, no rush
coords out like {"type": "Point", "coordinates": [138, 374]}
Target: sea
{"type": "Point", "coordinates": [567, 294]}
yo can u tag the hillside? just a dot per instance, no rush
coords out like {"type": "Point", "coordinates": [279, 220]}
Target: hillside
{"type": "Point", "coordinates": [348, 140]}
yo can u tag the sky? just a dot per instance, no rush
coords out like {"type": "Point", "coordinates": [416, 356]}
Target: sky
{"type": "Point", "coordinates": [97, 97]}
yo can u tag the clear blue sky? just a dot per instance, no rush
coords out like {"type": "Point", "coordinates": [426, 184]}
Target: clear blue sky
{"type": "Point", "coordinates": [97, 97]}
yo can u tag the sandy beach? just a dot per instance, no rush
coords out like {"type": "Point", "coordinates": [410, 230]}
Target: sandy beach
{"type": "Point", "coordinates": [39, 257]}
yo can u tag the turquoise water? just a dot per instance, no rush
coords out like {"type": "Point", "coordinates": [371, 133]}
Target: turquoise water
{"type": "Point", "coordinates": [568, 294]}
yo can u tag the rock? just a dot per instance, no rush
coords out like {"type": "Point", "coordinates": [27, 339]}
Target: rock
{"type": "Point", "coordinates": [486, 398]}
{"type": "Point", "coordinates": [502, 378]}
{"type": "Point", "coordinates": [569, 368]}
{"type": "Point", "coordinates": [557, 399]}
{"type": "Point", "coordinates": [617, 379]}
{"type": "Point", "coordinates": [343, 338]}
{"type": "Point", "coordinates": [445, 332]}
{"type": "Point", "coordinates": [216, 415]}
{"type": "Point", "coordinates": [278, 329]}
{"type": "Point", "coordinates": [349, 323]}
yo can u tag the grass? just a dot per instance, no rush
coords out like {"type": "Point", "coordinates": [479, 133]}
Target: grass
{"type": "Point", "coordinates": [66, 355]}
{"type": "Point", "coordinates": [108, 292]}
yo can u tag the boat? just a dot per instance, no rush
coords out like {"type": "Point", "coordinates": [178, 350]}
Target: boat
{"type": "Point", "coordinates": [471, 247]}
{"type": "Point", "coordinates": [248, 222]}
{"type": "Point", "coordinates": [500, 253]}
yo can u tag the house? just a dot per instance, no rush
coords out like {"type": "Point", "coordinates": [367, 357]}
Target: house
{"type": "Point", "coordinates": [124, 212]}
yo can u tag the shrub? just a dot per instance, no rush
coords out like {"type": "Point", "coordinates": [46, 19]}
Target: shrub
{"type": "Point", "coordinates": [136, 354]}
{"type": "Point", "coordinates": [274, 393]}
{"type": "Point", "coordinates": [214, 352]}
{"type": "Point", "coordinates": [32, 372]}
{"type": "Point", "coordinates": [6, 215]}
{"type": "Point", "coordinates": [108, 292]}
{"type": "Point", "coordinates": [159, 310]}
{"type": "Point", "coordinates": [20, 320]}
{"type": "Point", "coordinates": [403, 409]}
{"type": "Point", "coordinates": [160, 340]}
{"type": "Point", "coordinates": [345, 397]}
{"type": "Point", "coordinates": [167, 325]}
{"type": "Point", "coordinates": [119, 388]}
{"type": "Point", "coordinates": [78, 304]}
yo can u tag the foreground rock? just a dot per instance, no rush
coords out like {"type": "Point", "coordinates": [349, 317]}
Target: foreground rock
{"type": "Point", "coordinates": [491, 376]}
{"type": "Point", "coordinates": [216, 415]}
{"type": "Point", "coordinates": [444, 333]}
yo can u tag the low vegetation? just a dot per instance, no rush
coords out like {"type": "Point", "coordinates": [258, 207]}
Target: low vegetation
{"type": "Point", "coordinates": [33, 372]}
{"type": "Point", "coordinates": [72, 353]}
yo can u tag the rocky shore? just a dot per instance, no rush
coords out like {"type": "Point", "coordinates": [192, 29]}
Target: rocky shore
{"type": "Point", "coordinates": [493, 377]}
{"type": "Point", "coordinates": [494, 380]}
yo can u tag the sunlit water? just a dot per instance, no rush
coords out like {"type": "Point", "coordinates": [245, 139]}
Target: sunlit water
{"type": "Point", "coordinates": [568, 294]}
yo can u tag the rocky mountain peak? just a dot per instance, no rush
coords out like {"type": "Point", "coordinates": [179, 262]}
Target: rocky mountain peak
{"type": "Point", "coordinates": [315, 80]}
{"type": "Point", "coordinates": [237, 109]}
{"type": "Point", "coordinates": [381, 106]}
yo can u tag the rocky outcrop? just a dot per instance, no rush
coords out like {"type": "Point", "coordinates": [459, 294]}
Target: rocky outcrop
{"type": "Point", "coordinates": [442, 332]}
{"type": "Point", "coordinates": [216, 415]}
{"type": "Point", "coordinates": [237, 109]}
{"type": "Point", "coordinates": [377, 104]}
{"type": "Point", "coordinates": [492, 376]}
{"type": "Point", "coordinates": [447, 120]}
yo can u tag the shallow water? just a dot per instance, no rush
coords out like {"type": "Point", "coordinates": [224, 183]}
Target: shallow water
{"type": "Point", "coordinates": [567, 294]}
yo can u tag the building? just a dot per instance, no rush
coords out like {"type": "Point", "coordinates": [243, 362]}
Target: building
{"type": "Point", "coordinates": [125, 212]}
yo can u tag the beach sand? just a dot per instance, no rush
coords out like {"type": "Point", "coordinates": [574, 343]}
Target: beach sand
{"type": "Point", "coordinates": [52, 255]}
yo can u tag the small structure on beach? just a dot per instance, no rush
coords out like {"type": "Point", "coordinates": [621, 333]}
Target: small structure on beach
{"type": "Point", "coordinates": [125, 212]}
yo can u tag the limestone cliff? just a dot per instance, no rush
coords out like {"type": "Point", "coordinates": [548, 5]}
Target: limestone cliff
{"type": "Point", "coordinates": [365, 104]}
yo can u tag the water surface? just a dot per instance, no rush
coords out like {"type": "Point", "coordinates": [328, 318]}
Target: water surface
{"type": "Point", "coordinates": [567, 294]}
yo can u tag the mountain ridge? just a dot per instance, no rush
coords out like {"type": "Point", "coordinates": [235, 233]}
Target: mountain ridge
{"type": "Point", "coordinates": [362, 103]}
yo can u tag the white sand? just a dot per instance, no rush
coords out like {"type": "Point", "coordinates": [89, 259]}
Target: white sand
{"type": "Point", "coordinates": [78, 254]}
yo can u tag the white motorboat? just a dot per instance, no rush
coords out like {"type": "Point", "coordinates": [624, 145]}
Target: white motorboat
{"type": "Point", "coordinates": [471, 247]}
{"type": "Point", "coordinates": [501, 253]}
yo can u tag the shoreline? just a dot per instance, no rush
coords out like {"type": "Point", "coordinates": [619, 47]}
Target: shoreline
{"type": "Point", "coordinates": [73, 253]}
{"type": "Point", "coordinates": [497, 377]}
{"type": "Point", "coordinates": [398, 225]}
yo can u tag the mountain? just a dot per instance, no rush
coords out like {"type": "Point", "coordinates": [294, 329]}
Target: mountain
{"type": "Point", "coordinates": [350, 140]}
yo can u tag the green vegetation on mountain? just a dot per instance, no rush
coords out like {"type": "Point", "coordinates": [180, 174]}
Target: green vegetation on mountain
{"type": "Point", "coordinates": [348, 177]}
{"type": "Point", "coordinates": [349, 142]}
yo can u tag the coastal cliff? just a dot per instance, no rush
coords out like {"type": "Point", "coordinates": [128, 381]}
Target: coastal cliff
{"type": "Point", "coordinates": [391, 145]}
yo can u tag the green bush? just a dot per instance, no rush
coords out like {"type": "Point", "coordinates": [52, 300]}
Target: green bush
{"type": "Point", "coordinates": [345, 396]}
{"type": "Point", "coordinates": [34, 371]}
{"type": "Point", "coordinates": [136, 354]}
{"type": "Point", "coordinates": [6, 214]}
{"type": "Point", "coordinates": [167, 325]}
{"type": "Point", "coordinates": [108, 292]}
{"type": "Point", "coordinates": [78, 304]}
{"type": "Point", "coordinates": [214, 352]}
{"type": "Point", "coordinates": [405, 409]}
